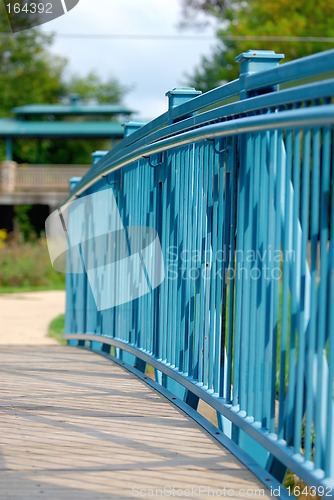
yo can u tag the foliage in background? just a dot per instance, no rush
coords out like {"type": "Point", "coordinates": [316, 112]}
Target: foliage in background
{"type": "Point", "coordinates": [58, 151]}
{"type": "Point", "coordinates": [246, 18]}
{"type": "Point", "coordinates": [56, 329]}
{"type": "Point", "coordinates": [3, 237]}
{"type": "Point", "coordinates": [24, 226]}
{"type": "Point", "coordinates": [30, 74]}
{"type": "Point", "coordinates": [28, 265]}
{"type": "Point", "coordinates": [91, 87]}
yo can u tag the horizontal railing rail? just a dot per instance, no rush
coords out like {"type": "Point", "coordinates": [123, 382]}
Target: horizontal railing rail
{"type": "Point", "coordinates": [288, 73]}
{"type": "Point", "coordinates": [238, 311]}
{"type": "Point", "coordinates": [311, 116]}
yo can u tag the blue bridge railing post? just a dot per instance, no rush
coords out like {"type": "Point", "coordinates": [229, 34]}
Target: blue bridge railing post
{"type": "Point", "coordinates": [245, 356]}
{"type": "Point", "coordinates": [256, 61]}
{"type": "Point", "coordinates": [179, 96]}
{"type": "Point", "coordinates": [131, 126]}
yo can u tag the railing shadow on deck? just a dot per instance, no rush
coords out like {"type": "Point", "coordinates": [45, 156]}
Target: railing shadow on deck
{"type": "Point", "coordinates": [231, 297]}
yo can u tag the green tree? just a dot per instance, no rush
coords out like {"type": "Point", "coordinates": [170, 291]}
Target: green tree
{"type": "Point", "coordinates": [240, 19]}
{"type": "Point", "coordinates": [28, 74]}
{"type": "Point", "coordinates": [92, 87]}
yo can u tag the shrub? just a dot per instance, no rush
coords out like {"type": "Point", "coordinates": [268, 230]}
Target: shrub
{"type": "Point", "coordinates": [28, 265]}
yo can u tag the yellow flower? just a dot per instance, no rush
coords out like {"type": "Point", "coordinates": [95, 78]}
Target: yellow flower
{"type": "Point", "coordinates": [3, 237]}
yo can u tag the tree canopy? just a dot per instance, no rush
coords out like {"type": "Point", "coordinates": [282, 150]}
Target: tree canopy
{"type": "Point", "coordinates": [91, 87]}
{"type": "Point", "coordinates": [28, 73]}
{"type": "Point", "coordinates": [271, 19]}
{"type": "Point", "coordinates": [31, 74]}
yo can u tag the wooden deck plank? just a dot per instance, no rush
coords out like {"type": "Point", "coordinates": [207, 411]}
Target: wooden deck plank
{"type": "Point", "coordinates": [74, 425]}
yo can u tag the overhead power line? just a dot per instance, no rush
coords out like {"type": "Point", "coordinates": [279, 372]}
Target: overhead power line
{"type": "Point", "coordinates": [195, 37]}
{"type": "Point", "coordinates": [198, 38]}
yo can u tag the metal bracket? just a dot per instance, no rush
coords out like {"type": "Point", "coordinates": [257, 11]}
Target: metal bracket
{"type": "Point", "coordinates": [106, 177]}
{"type": "Point", "coordinates": [148, 158]}
{"type": "Point", "coordinates": [219, 151]}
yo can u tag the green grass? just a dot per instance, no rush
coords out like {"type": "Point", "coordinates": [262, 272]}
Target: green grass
{"type": "Point", "coordinates": [27, 288]}
{"type": "Point", "coordinates": [56, 329]}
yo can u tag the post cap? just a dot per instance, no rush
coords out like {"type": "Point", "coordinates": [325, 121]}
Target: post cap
{"type": "Point", "coordinates": [254, 61]}
{"type": "Point", "coordinates": [97, 155]}
{"type": "Point", "coordinates": [73, 181]}
{"type": "Point", "coordinates": [131, 126]}
{"type": "Point", "coordinates": [74, 99]}
{"type": "Point", "coordinates": [180, 95]}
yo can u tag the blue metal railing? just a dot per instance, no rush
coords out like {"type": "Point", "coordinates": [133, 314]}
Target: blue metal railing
{"type": "Point", "coordinates": [240, 194]}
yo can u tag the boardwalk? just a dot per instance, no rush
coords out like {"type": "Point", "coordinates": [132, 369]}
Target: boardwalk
{"type": "Point", "coordinates": [74, 425]}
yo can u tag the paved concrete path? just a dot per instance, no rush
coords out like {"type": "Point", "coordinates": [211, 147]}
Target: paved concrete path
{"type": "Point", "coordinates": [25, 317]}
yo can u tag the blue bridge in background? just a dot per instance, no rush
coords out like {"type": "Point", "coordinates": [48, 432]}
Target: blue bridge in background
{"type": "Point", "coordinates": [237, 185]}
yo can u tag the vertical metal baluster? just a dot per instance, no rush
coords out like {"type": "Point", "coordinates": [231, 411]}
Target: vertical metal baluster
{"type": "Point", "coordinates": [204, 250]}
{"type": "Point", "coordinates": [133, 199]}
{"type": "Point", "coordinates": [321, 412]}
{"type": "Point", "coordinates": [274, 227]}
{"type": "Point", "coordinates": [156, 222]}
{"type": "Point", "coordinates": [262, 331]}
{"type": "Point", "coordinates": [147, 298]}
{"type": "Point", "coordinates": [144, 300]}
{"type": "Point", "coordinates": [183, 242]}
{"type": "Point", "coordinates": [171, 243]}
{"type": "Point", "coordinates": [231, 202]}
{"type": "Point", "coordinates": [219, 379]}
{"type": "Point", "coordinates": [164, 287]}
{"type": "Point", "coordinates": [201, 289]}
{"type": "Point", "coordinates": [188, 237]}
{"type": "Point", "coordinates": [133, 206]}
{"type": "Point", "coordinates": [149, 222]}
{"type": "Point", "coordinates": [287, 242]}
{"type": "Point", "coordinates": [214, 278]}
{"type": "Point", "coordinates": [295, 273]}
{"type": "Point", "coordinates": [239, 281]}
{"type": "Point", "coordinates": [178, 241]}
{"type": "Point", "coordinates": [210, 270]}
{"type": "Point", "coordinates": [254, 278]}
{"type": "Point", "coordinates": [193, 345]}
{"type": "Point", "coordinates": [329, 457]}
{"type": "Point", "coordinates": [82, 287]}
{"type": "Point", "coordinates": [90, 306]}
{"type": "Point", "coordinates": [257, 286]}
{"type": "Point", "coordinates": [314, 234]}
{"type": "Point", "coordinates": [269, 297]}
{"type": "Point", "coordinates": [196, 243]}
{"type": "Point", "coordinates": [247, 223]}
{"type": "Point", "coordinates": [278, 156]}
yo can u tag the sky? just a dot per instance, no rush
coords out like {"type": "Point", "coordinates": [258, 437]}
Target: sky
{"type": "Point", "coordinates": [152, 67]}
